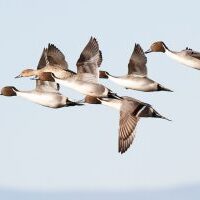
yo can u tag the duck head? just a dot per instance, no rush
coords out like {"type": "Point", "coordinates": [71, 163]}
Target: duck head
{"type": "Point", "coordinates": [103, 74]}
{"type": "Point", "coordinates": [9, 91]}
{"type": "Point", "coordinates": [157, 47]}
{"type": "Point", "coordinates": [92, 100]}
{"type": "Point", "coordinates": [46, 76]}
{"type": "Point", "coordinates": [26, 73]}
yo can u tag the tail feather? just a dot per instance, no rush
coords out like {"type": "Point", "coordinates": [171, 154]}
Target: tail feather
{"type": "Point", "coordinates": [113, 95]}
{"type": "Point", "coordinates": [73, 103]}
{"type": "Point", "coordinates": [157, 115]}
{"type": "Point", "coordinates": [162, 88]}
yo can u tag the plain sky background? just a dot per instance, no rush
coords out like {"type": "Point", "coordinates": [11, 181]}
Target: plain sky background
{"type": "Point", "coordinates": [76, 148]}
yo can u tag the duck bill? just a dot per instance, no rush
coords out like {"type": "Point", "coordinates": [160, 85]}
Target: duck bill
{"type": "Point", "coordinates": [19, 76]}
{"type": "Point", "coordinates": [148, 51]}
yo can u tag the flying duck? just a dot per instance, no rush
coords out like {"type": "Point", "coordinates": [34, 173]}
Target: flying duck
{"type": "Point", "coordinates": [137, 78]}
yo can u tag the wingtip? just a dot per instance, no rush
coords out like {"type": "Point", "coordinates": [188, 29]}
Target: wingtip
{"type": "Point", "coordinates": [136, 45]}
{"type": "Point", "coordinates": [93, 39]}
{"type": "Point", "coordinates": [50, 45]}
{"type": "Point", "coordinates": [122, 151]}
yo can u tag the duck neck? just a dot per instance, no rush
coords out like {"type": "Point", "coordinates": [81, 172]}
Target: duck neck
{"type": "Point", "coordinates": [115, 79]}
{"type": "Point", "coordinates": [114, 103]}
{"type": "Point", "coordinates": [111, 76]}
{"type": "Point", "coordinates": [171, 54]}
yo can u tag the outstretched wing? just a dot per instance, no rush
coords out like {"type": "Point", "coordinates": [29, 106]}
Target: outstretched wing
{"type": "Point", "coordinates": [191, 53]}
{"type": "Point", "coordinates": [90, 59]}
{"type": "Point", "coordinates": [43, 59]}
{"type": "Point", "coordinates": [137, 62]}
{"type": "Point", "coordinates": [127, 125]}
{"type": "Point", "coordinates": [56, 57]}
{"type": "Point", "coordinates": [41, 85]}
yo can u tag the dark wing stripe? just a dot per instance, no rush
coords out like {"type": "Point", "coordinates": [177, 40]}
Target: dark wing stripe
{"type": "Point", "coordinates": [137, 109]}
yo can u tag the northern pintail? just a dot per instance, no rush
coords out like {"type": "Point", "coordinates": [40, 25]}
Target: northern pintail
{"type": "Point", "coordinates": [54, 61]}
{"type": "Point", "coordinates": [86, 81]}
{"type": "Point", "coordinates": [131, 110]}
{"type": "Point", "coordinates": [187, 56]}
{"type": "Point", "coordinates": [136, 78]}
{"type": "Point", "coordinates": [46, 92]}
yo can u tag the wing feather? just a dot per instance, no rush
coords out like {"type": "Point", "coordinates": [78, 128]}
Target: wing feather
{"type": "Point", "coordinates": [41, 85]}
{"type": "Point", "coordinates": [127, 127]}
{"type": "Point", "coordinates": [56, 57]}
{"type": "Point", "coordinates": [90, 59]}
{"type": "Point", "coordinates": [137, 62]}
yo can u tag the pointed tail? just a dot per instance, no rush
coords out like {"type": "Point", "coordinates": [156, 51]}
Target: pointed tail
{"type": "Point", "coordinates": [73, 103]}
{"type": "Point", "coordinates": [113, 95]}
{"type": "Point", "coordinates": [162, 88]}
{"type": "Point", "coordinates": [157, 115]}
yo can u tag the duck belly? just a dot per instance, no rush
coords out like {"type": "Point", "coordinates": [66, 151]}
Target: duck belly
{"type": "Point", "coordinates": [184, 59]}
{"type": "Point", "coordinates": [47, 99]}
{"type": "Point", "coordinates": [192, 62]}
{"type": "Point", "coordinates": [136, 83]}
{"type": "Point", "coordinates": [86, 88]}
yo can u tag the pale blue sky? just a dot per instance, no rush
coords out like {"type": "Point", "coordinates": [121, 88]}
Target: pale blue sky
{"type": "Point", "coordinates": [76, 148]}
